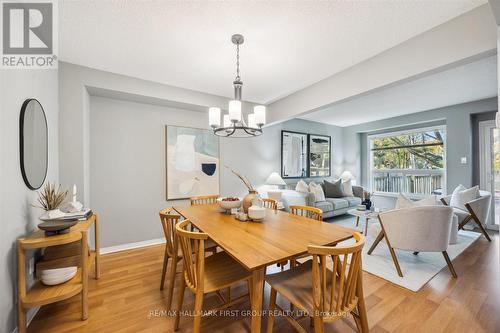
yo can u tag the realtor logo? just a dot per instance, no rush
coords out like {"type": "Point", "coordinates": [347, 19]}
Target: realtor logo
{"type": "Point", "coordinates": [28, 35]}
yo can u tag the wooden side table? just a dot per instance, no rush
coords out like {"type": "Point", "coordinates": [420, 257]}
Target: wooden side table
{"type": "Point", "coordinates": [40, 294]}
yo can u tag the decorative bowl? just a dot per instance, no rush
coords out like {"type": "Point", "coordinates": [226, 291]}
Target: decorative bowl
{"type": "Point", "coordinates": [229, 204]}
{"type": "Point", "coordinates": [52, 277]}
{"type": "Point", "coordinates": [256, 213]}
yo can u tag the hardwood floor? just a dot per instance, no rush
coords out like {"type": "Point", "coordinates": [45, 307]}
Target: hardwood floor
{"type": "Point", "coordinates": [127, 298]}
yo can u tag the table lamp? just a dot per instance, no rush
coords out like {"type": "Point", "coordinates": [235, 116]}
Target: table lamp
{"type": "Point", "coordinates": [347, 175]}
{"type": "Point", "coordinates": [276, 180]}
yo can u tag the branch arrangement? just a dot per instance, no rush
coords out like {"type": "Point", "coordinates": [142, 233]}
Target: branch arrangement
{"type": "Point", "coordinates": [51, 197]}
{"type": "Point", "coordinates": [243, 179]}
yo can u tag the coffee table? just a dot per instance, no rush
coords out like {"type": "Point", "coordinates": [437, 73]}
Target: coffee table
{"type": "Point", "coordinates": [366, 214]}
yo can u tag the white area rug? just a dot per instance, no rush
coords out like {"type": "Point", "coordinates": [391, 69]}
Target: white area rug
{"type": "Point", "coordinates": [417, 269]}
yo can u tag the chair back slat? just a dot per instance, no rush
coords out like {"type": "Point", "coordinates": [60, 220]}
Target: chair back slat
{"type": "Point", "coordinates": [336, 298]}
{"type": "Point", "coordinates": [168, 221]}
{"type": "Point", "coordinates": [270, 203]}
{"type": "Point", "coordinates": [307, 211]}
{"type": "Point", "coordinates": [193, 251]}
{"type": "Point", "coordinates": [204, 200]}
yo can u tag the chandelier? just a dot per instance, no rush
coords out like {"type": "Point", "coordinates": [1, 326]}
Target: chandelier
{"type": "Point", "coordinates": [233, 124]}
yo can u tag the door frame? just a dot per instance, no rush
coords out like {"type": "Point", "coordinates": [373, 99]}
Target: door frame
{"type": "Point", "coordinates": [485, 163]}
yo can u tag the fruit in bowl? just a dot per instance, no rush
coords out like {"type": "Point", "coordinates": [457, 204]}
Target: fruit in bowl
{"type": "Point", "coordinates": [229, 202]}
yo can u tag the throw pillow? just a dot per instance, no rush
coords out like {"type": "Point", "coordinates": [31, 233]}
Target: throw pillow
{"type": "Point", "coordinates": [302, 187]}
{"type": "Point", "coordinates": [333, 190]}
{"type": "Point", "coordinates": [461, 195]}
{"type": "Point", "coordinates": [347, 188]}
{"type": "Point", "coordinates": [317, 190]}
{"type": "Point", "coordinates": [405, 202]}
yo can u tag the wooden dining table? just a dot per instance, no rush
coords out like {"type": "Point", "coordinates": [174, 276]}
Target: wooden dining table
{"type": "Point", "coordinates": [255, 245]}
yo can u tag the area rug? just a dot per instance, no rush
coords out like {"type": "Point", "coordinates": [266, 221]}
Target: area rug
{"type": "Point", "coordinates": [417, 269]}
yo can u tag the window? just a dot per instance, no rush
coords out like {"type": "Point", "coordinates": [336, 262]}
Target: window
{"type": "Point", "coordinates": [409, 162]}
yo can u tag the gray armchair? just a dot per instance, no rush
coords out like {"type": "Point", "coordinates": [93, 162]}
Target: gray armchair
{"type": "Point", "coordinates": [416, 229]}
{"type": "Point", "coordinates": [477, 211]}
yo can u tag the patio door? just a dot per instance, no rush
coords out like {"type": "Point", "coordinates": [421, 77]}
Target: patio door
{"type": "Point", "coordinates": [489, 163]}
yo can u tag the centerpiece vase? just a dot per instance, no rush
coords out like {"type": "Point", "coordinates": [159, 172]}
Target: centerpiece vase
{"type": "Point", "coordinates": [247, 200]}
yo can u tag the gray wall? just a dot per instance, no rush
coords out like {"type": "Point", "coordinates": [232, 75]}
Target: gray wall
{"type": "Point", "coordinates": [127, 162]}
{"type": "Point", "coordinates": [459, 138]}
{"type": "Point", "coordinates": [17, 216]}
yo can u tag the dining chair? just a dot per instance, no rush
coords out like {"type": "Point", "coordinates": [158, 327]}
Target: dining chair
{"type": "Point", "coordinates": [169, 220]}
{"type": "Point", "coordinates": [203, 200]}
{"type": "Point", "coordinates": [203, 275]}
{"type": "Point", "coordinates": [307, 211]}
{"type": "Point", "coordinates": [270, 203]}
{"type": "Point", "coordinates": [321, 293]}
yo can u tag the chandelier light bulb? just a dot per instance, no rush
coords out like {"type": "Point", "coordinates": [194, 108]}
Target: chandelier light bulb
{"type": "Point", "coordinates": [260, 115]}
{"type": "Point", "coordinates": [214, 117]}
{"type": "Point", "coordinates": [235, 111]}
{"type": "Point", "coordinates": [251, 121]}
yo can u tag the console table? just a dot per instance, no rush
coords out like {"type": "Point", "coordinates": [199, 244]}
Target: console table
{"type": "Point", "coordinates": [60, 247]}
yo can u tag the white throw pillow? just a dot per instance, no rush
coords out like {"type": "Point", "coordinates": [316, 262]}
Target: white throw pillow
{"type": "Point", "coordinates": [317, 190]}
{"type": "Point", "coordinates": [302, 187]}
{"type": "Point", "coordinates": [461, 195]}
{"type": "Point", "coordinates": [347, 188]}
{"type": "Point", "coordinates": [405, 202]}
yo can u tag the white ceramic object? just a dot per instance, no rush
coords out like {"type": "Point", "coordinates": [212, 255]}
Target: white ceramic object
{"type": "Point", "coordinates": [256, 213]}
{"type": "Point", "coordinates": [58, 271]}
{"type": "Point", "coordinates": [228, 205]}
{"type": "Point", "coordinates": [52, 277]}
{"type": "Point", "coordinates": [361, 207]}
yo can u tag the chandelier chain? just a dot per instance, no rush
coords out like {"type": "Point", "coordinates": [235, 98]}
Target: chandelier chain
{"type": "Point", "coordinates": [238, 62]}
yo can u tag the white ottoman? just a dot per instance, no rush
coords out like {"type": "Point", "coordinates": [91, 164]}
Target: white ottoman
{"type": "Point", "coordinates": [454, 230]}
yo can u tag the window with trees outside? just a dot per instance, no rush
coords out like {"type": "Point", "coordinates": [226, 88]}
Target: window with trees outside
{"type": "Point", "coordinates": [409, 162]}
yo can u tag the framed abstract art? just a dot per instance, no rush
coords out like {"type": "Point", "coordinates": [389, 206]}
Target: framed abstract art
{"type": "Point", "coordinates": [192, 162]}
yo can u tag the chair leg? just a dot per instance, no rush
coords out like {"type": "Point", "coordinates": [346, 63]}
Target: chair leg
{"type": "Point", "coordinates": [164, 270]}
{"type": "Point", "coordinates": [198, 304]}
{"type": "Point", "coordinates": [357, 221]}
{"type": "Point", "coordinates": [450, 265]}
{"type": "Point", "coordinates": [479, 224]}
{"type": "Point", "coordinates": [318, 324]}
{"type": "Point", "coordinates": [380, 236]}
{"type": "Point", "coordinates": [171, 281]}
{"type": "Point", "coordinates": [179, 304]}
{"type": "Point", "coordinates": [396, 262]}
{"type": "Point", "coordinates": [272, 308]}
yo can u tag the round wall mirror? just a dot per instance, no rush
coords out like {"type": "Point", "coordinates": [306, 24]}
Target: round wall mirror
{"type": "Point", "coordinates": [34, 143]}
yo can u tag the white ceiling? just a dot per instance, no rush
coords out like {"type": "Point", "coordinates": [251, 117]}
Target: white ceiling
{"type": "Point", "coordinates": [289, 44]}
{"type": "Point", "coordinates": [470, 82]}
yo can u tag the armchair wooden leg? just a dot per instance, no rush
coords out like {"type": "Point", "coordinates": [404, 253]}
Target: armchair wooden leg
{"type": "Point", "coordinates": [480, 225]}
{"type": "Point", "coordinates": [357, 221]}
{"type": "Point", "coordinates": [395, 259]}
{"type": "Point", "coordinates": [464, 222]}
{"type": "Point", "coordinates": [380, 236]}
{"type": "Point", "coordinates": [450, 265]}
{"type": "Point", "coordinates": [391, 250]}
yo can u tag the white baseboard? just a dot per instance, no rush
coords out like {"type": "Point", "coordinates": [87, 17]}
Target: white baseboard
{"type": "Point", "coordinates": [130, 246]}
{"type": "Point", "coordinates": [29, 317]}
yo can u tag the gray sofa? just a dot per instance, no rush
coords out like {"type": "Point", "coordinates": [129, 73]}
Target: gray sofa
{"type": "Point", "coordinates": [330, 207]}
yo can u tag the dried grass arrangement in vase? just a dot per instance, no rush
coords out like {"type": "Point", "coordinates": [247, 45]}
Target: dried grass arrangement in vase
{"type": "Point", "coordinates": [51, 197]}
{"type": "Point", "coordinates": [252, 193]}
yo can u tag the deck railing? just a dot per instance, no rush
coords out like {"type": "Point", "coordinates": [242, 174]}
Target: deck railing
{"type": "Point", "coordinates": [408, 181]}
